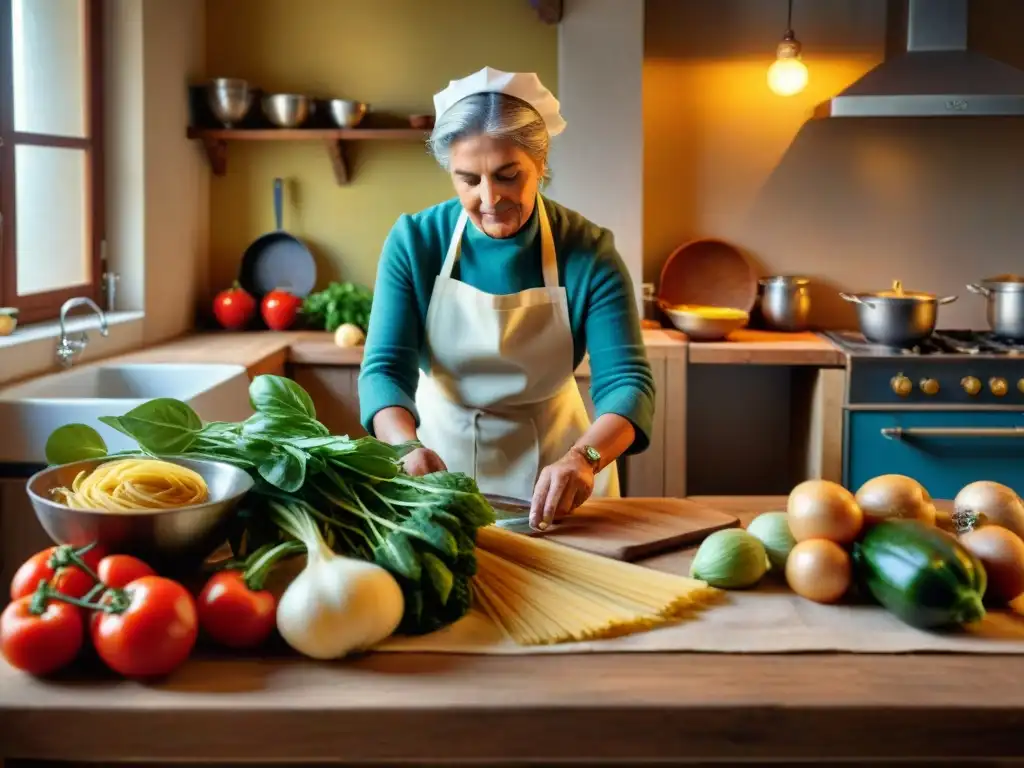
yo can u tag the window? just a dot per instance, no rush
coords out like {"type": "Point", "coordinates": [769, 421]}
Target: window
{"type": "Point", "coordinates": [51, 160]}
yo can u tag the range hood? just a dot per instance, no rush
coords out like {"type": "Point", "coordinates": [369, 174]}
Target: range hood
{"type": "Point", "coordinates": [936, 76]}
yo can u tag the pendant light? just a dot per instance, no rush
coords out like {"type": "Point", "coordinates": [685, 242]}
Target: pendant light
{"type": "Point", "coordinates": [787, 75]}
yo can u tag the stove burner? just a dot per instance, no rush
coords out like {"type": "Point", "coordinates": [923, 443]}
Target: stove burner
{"type": "Point", "coordinates": [939, 343]}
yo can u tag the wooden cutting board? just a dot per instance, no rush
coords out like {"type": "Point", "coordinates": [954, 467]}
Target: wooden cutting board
{"type": "Point", "coordinates": [635, 528]}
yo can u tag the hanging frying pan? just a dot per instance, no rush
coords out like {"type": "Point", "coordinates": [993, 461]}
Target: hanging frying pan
{"type": "Point", "coordinates": [278, 259]}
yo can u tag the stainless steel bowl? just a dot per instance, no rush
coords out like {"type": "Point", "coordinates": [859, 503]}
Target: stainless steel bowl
{"type": "Point", "coordinates": [786, 302]}
{"type": "Point", "coordinates": [347, 113]}
{"type": "Point", "coordinates": [229, 99]}
{"type": "Point", "coordinates": [169, 540]}
{"type": "Point", "coordinates": [287, 110]}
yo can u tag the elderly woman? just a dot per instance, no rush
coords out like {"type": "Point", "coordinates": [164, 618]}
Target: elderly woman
{"type": "Point", "coordinates": [485, 305]}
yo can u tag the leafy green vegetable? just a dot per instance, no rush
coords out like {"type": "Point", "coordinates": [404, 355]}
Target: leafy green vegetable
{"type": "Point", "coordinates": [74, 442]}
{"type": "Point", "coordinates": [421, 529]}
{"type": "Point", "coordinates": [337, 304]}
{"type": "Point", "coordinates": [163, 425]}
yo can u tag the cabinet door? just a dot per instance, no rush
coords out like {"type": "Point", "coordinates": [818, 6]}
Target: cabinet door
{"type": "Point", "coordinates": [21, 535]}
{"type": "Point", "coordinates": [335, 394]}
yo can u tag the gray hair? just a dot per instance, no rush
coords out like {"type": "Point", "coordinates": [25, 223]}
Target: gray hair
{"type": "Point", "coordinates": [497, 115]}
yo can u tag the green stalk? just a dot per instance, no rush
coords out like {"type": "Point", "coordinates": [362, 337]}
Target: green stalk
{"type": "Point", "coordinates": [255, 576]}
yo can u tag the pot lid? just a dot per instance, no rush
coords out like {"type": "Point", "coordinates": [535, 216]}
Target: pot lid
{"type": "Point", "coordinates": [1004, 283]}
{"type": "Point", "coordinates": [785, 280]}
{"type": "Point", "coordinates": [891, 295]}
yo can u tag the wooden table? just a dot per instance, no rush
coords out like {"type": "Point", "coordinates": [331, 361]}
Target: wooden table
{"type": "Point", "coordinates": [448, 710]}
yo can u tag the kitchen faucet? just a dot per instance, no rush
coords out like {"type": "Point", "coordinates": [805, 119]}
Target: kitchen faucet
{"type": "Point", "coordinates": [69, 346]}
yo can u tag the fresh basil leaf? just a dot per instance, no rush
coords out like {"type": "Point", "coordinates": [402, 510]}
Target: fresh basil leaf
{"type": "Point", "coordinates": [313, 444]}
{"type": "Point", "coordinates": [74, 442]}
{"type": "Point", "coordinates": [441, 577]}
{"type": "Point", "coordinates": [273, 425]}
{"type": "Point", "coordinates": [276, 394]}
{"type": "Point", "coordinates": [396, 553]}
{"type": "Point", "coordinates": [160, 426]}
{"type": "Point", "coordinates": [370, 467]}
{"type": "Point", "coordinates": [285, 469]}
{"type": "Point", "coordinates": [220, 429]}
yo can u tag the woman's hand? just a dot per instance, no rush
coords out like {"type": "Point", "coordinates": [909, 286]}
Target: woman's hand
{"type": "Point", "coordinates": [561, 488]}
{"type": "Point", "coordinates": [422, 461]}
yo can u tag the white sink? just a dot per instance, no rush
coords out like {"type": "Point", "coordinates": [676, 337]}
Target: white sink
{"type": "Point", "coordinates": [30, 411]}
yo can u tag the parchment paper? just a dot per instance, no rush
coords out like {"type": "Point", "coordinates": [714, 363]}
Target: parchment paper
{"type": "Point", "coordinates": [770, 619]}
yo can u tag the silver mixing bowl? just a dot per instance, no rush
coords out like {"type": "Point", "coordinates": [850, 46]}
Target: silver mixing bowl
{"type": "Point", "coordinates": [169, 540]}
{"type": "Point", "coordinates": [229, 99]}
{"type": "Point", "coordinates": [347, 113]}
{"type": "Point", "coordinates": [287, 110]}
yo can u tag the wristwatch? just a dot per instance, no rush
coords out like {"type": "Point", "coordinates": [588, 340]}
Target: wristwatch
{"type": "Point", "coordinates": [590, 455]}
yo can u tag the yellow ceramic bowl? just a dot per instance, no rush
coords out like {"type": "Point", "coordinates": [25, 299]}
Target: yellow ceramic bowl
{"type": "Point", "coordinates": [705, 323]}
{"type": "Point", "coordinates": [8, 320]}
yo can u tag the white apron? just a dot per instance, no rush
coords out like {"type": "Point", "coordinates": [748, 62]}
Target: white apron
{"type": "Point", "coordinates": [501, 402]}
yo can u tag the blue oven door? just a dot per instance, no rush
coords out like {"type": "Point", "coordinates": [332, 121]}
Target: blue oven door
{"type": "Point", "coordinates": [942, 450]}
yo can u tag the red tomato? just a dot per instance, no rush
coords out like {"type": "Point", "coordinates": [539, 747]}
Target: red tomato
{"type": "Point", "coordinates": [69, 580]}
{"type": "Point", "coordinates": [234, 615]}
{"type": "Point", "coordinates": [117, 571]}
{"type": "Point", "coordinates": [280, 309]}
{"type": "Point", "coordinates": [40, 644]}
{"type": "Point", "coordinates": [154, 633]}
{"type": "Point", "coordinates": [234, 308]}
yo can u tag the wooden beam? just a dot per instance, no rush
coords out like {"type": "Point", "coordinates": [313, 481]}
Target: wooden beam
{"type": "Point", "coordinates": [217, 154]}
{"type": "Point", "coordinates": [549, 11]}
{"type": "Point", "coordinates": [336, 151]}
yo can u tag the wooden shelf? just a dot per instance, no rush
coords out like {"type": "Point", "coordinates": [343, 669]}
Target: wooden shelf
{"type": "Point", "coordinates": [215, 142]}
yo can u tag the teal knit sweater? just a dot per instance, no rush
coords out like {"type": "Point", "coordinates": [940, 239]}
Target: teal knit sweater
{"type": "Point", "coordinates": [602, 310]}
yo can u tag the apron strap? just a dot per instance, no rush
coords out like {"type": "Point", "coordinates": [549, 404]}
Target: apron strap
{"type": "Point", "coordinates": [548, 257]}
{"type": "Point", "coordinates": [453, 246]}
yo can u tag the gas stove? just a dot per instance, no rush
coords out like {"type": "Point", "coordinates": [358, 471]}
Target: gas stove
{"type": "Point", "coordinates": [939, 343]}
{"type": "Point", "coordinates": [946, 412]}
{"type": "Point", "coordinates": [954, 368]}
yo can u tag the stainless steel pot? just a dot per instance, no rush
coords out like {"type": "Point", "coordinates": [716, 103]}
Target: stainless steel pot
{"type": "Point", "coordinates": [1005, 295]}
{"type": "Point", "coordinates": [785, 302]}
{"type": "Point", "coordinates": [897, 318]}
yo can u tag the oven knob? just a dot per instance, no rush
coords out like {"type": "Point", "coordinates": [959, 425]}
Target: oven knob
{"type": "Point", "coordinates": [971, 385]}
{"type": "Point", "coordinates": [901, 385]}
{"type": "Point", "coordinates": [998, 386]}
{"type": "Point", "coordinates": [929, 386]}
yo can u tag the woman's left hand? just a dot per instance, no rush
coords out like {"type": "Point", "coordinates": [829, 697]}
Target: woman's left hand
{"type": "Point", "coordinates": [561, 488]}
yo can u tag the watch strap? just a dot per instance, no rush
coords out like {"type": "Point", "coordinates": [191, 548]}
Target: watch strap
{"type": "Point", "coordinates": [590, 455]}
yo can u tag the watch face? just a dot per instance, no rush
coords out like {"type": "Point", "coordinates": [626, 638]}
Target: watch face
{"type": "Point", "coordinates": [592, 454]}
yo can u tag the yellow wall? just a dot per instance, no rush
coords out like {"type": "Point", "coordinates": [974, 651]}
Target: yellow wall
{"type": "Point", "coordinates": [393, 54]}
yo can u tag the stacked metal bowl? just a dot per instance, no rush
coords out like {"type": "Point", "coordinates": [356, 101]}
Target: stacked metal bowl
{"type": "Point", "coordinates": [230, 99]}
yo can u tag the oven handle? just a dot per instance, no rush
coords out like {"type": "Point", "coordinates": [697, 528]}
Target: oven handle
{"type": "Point", "coordinates": [898, 433]}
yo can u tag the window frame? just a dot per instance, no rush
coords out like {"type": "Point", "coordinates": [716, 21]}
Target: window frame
{"type": "Point", "coordinates": [45, 306]}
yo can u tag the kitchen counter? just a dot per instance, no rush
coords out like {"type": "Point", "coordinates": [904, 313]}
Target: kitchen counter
{"type": "Point", "coordinates": [320, 349]}
{"type": "Point", "coordinates": [258, 350]}
{"type": "Point", "coordinates": [752, 347]}
{"type": "Point", "coordinates": [618, 708]}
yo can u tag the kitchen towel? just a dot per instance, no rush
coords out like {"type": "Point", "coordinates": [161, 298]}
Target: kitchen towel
{"type": "Point", "coordinates": [769, 619]}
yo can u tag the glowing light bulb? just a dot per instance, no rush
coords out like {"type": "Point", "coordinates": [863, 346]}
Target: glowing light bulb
{"type": "Point", "coordinates": [787, 75]}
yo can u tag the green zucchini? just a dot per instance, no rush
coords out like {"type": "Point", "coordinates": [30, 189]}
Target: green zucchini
{"type": "Point", "coordinates": [920, 574]}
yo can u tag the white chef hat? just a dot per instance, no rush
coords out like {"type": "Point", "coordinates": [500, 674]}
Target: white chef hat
{"type": "Point", "coordinates": [523, 85]}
